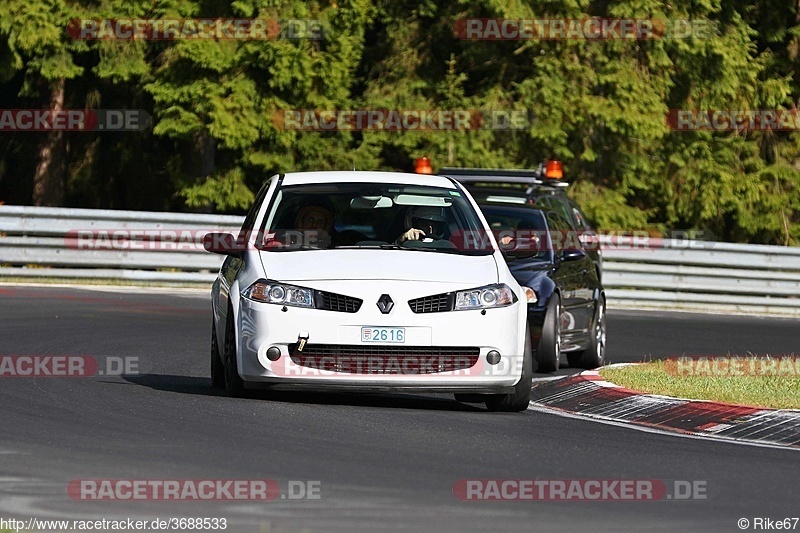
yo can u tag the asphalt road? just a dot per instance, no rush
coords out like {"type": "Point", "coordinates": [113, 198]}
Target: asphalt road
{"type": "Point", "coordinates": [383, 462]}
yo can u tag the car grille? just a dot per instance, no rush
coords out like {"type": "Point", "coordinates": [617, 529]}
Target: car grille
{"type": "Point", "coordinates": [359, 359]}
{"type": "Point", "coordinates": [432, 304]}
{"type": "Point", "coordinates": [337, 302]}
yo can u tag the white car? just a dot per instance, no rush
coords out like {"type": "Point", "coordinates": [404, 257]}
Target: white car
{"type": "Point", "coordinates": [369, 281]}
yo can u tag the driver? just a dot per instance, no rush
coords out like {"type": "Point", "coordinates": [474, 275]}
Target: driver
{"type": "Point", "coordinates": [424, 222]}
{"type": "Point", "coordinates": [315, 221]}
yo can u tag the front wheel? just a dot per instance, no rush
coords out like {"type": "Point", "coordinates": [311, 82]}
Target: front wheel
{"type": "Point", "coordinates": [217, 368]}
{"type": "Point", "coordinates": [521, 397]}
{"type": "Point", "coordinates": [234, 384]}
{"type": "Point", "coordinates": [548, 352]}
{"type": "Point", "coordinates": [595, 354]}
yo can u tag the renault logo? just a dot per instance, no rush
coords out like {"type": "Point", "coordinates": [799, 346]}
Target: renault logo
{"type": "Point", "coordinates": [385, 304]}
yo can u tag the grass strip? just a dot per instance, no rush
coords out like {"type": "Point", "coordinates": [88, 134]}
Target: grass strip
{"type": "Point", "coordinates": [772, 382]}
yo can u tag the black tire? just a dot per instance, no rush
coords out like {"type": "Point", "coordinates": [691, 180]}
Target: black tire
{"type": "Point", "coordinates": [548, 352]}
{"type": "Point", "coordinates": [594, 355]}
{"type": "Point", "coordinates": [234, 384]}
{"type": "Point", "coordinates": [217, 368]}
{"type": "Point", "coordinates": [521, 397]}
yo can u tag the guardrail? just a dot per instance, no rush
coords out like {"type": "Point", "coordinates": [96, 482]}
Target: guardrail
{"type": "Point", "coordinates": [703, 276]}
{"type": "Point", "coordinates": [34, 238]}
{"type": "Point", "coordinates": [38, 242]}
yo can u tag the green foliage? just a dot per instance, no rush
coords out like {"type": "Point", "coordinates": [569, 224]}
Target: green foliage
{"type": "Point", "coordinates": [608, 209]}
{"type": "Point", "coordinates": [34, 37]}
{"type": "Point", "coordinates": [600, 106]}
{"type": "Point", "coordinates": [225, 191]}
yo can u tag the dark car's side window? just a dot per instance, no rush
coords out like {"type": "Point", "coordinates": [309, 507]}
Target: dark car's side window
{"type": "Point", "coordinates": [563, 209]}
{"type": "Point", "coordinates": [581, 223]}
{"type": "Point", "coordinates": [557, 204]}
{"type": "Point", "coordinates": [557, 221]}
{"type": "Point", "coordinates": [563, 235]}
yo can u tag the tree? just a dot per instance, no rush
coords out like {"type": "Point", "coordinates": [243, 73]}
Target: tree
{"type": "Point", "coordinates": [34, 34]}
{"type": "Point", "coordinates": [599, 106]}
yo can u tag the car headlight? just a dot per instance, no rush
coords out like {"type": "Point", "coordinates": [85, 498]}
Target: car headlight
{"type": "Point", "coordinates": [486, 297]}
{"type": "Point", "coordinates": [279, 293]}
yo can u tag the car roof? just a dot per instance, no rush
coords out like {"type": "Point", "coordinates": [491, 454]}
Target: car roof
{"type": "Point", "coordinates": [492, 174]}
{"type": "Point", "coordinates": [544, 211]}
{"type": "Point", "coordinates": [494, 189]}
{"type": "Point", "coordinates": [509, 195]}
{"type": "Point", "coordinates": [513, 188]}
{"type": "Point", "coordinates": [501, 198]}
{"type": "Point", "coordinates": [367, 176]}
{"type": "Point", "coordinates": [519, 208]}
{"type": "Point", "coordinates": [499, 177]}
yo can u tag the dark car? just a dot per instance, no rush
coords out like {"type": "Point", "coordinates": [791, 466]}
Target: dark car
{"type": "Point", "coordinates": [544, 254]}
{"type": "Point", "coordinates": [542, 187]}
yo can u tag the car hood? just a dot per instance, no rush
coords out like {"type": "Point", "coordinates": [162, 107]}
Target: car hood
{"type": "Point", "coordinates": [404, 265]}
{"type": "Point", "coordinates": [527, 271]}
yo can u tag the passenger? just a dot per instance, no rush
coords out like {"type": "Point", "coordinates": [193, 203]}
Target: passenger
{"type": "Point", "coordinates": [526, 236]}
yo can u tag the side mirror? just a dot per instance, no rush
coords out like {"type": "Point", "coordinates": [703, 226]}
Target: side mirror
{"type": "Point", "coordinates": [223, 244]}
{"type": "Point", "coordinates": [514, 254]}
{"type": "Point", "coordinates": [573, 254]}
{"type": "Point", "coordinates": [508, 255]}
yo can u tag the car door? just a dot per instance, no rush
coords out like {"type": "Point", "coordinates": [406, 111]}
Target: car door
{"type": "Point", "coordinates": [574, 280]}
{"type": "Point", "coordinates": [232, 265]}
{"type": "Point", "coordinates": [577, 220]}
{"type": "Point", "coordinates": [587, 235]}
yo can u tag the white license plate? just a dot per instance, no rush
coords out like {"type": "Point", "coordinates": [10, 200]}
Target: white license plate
{"type": "Point", "coordinates": [369, 334]}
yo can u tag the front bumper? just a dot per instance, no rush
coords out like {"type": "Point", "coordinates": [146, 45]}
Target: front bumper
{"type": "Point", "coordinates": [262, 326]}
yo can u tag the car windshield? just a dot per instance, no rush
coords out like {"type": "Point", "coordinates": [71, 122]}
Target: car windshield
{"type": "Point", "coordinates": [374, 215]}
{"type": "Point", "coordinates": [519, 230]}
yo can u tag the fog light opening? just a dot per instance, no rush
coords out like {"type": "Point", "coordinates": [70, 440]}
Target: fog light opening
{"type": "Point", "coordinates": [273, 353]}
{"type": "Point", "coordinates": [493, 357]}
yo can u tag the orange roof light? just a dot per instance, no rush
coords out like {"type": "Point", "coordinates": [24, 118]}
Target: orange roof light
{"type": "Point", "coordinates": [423, 166]}
{"type": "Point", "coordinates": [553, 170]}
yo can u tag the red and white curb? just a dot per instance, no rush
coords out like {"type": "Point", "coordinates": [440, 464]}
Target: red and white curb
{"type": "Point", "coordinates": [588, 395]}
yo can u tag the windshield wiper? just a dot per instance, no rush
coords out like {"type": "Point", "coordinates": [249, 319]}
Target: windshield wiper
{"type": "Point", "coordinates": [292, 248]}
{"type": "Point", "coordinates": [385, 246]}
{"type": "Point", "coordinates": [392, 246]}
